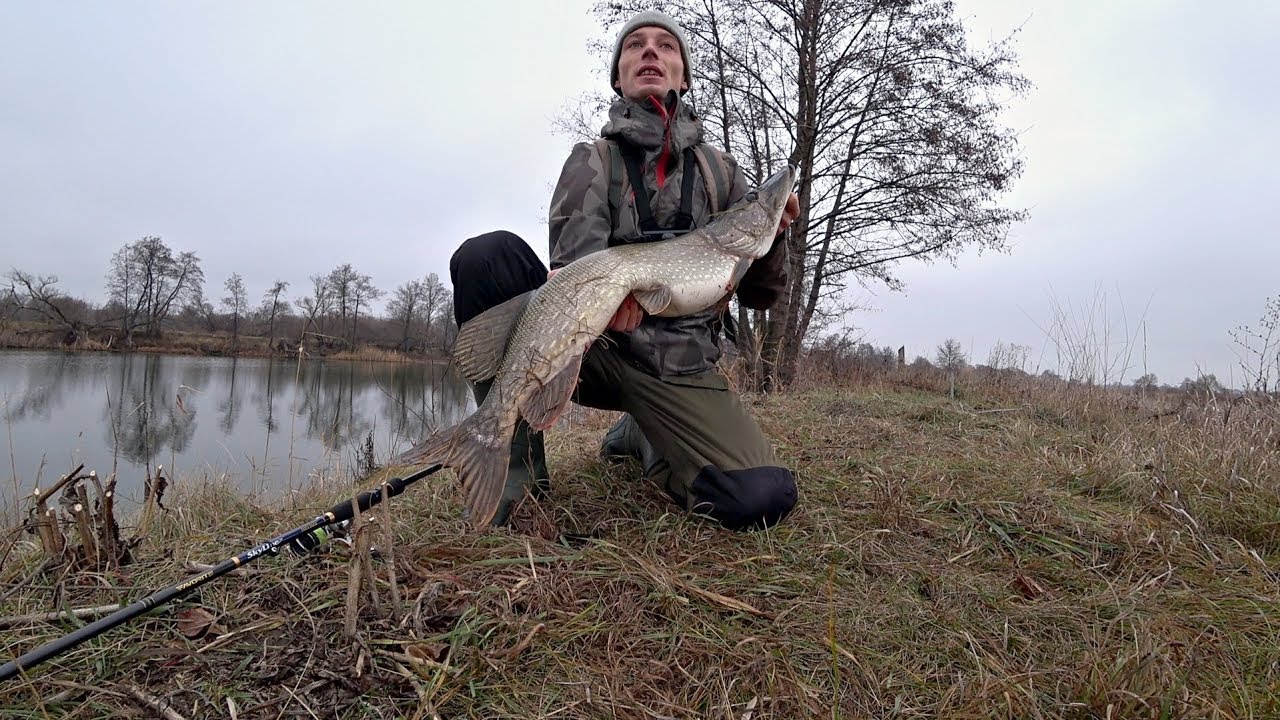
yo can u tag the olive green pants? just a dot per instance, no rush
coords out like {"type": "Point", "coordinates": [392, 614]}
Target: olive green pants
{"type": "Point", "coordinates": [692, 422]}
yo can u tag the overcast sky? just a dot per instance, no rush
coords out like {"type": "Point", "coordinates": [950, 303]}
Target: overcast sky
{"type": "Point", "coordinates": [280, 139]}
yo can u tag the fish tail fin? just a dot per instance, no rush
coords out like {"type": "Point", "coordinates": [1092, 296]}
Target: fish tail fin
{"type": "Point", "coordinates": [478, 450]}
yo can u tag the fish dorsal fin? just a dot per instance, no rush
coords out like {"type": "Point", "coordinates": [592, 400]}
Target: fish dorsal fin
{"type": "Point", "coordinates": [482, 340]}
{"type": "Point", "coordinates": [548, 403]}
{"type": "Point", "coordinates": [654, 300]}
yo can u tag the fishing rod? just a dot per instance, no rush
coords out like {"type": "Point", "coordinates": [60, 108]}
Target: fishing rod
{"type": "Point", "coordinates": [300, 540]}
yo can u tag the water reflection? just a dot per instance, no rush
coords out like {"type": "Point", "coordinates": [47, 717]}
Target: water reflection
{"type": "Point", "coordinates": [265, 422]}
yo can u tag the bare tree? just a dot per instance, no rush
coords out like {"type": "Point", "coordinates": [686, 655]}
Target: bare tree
{"type": "Point", "coordinates": [363, 292]}
{"type": "Point", "coordinates": [201, 310]}
{"type": "Point", "coordinates": [414, 307]}
{"type": "Point", "coordinates": [146, 280]}
{"type": "Point", "coordinates": [890, 117]}
{"type": "Point", "coordinates": [317, 306]}
{"type": "Point", "coordinates": [448, 324]}
{"type": "Point", "coordinates": [405, 307]}
{"type": "Point", "coordinates": [273, 306]}
{"type": "Point", "coordinates": [10, 305]}
{"type": "Point", "coordinates": [951, 357]}
{"type": "Point", "coordinates": [39, 294]}
{"type": "Point", "coordinates": [433, 308]}
{"type": "Point", "coordinates": [350, 289]}
{"type": "Point", "coordinates": [236, 302]}
{"type": "Point", "coordinates": [342, 281]}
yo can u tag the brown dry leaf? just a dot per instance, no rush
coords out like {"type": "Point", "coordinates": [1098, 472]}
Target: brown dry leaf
{"type": "Point", "coordinates": [434, 652]}
{"type": "Point", "coordinates": [1028, 588]}
{"type": "Point", "coordinates": [195, 623]}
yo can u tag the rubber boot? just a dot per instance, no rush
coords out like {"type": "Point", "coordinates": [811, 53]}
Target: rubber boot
{"type": "Point", "coordinates": [626, 440]}
{"type": "Point", "coordinates": [527, 470]}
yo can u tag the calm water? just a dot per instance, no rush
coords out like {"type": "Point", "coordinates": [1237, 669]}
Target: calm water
{"type": "Point", "coordinates": [264, 423]}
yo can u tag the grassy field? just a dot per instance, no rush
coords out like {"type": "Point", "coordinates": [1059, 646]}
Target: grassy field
{"type": "Point", "coordinates": [1026, 550]}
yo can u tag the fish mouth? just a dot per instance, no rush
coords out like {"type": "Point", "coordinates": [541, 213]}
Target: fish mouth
{"type": "Point", "coordinates": [774, 191]}
{"type": "Point", "coordinates": [782, 182]}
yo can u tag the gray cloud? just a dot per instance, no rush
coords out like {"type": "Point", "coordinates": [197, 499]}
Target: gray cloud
{"type": "Point", "coordinates": [1150, 180]}
{"type": "Point", "coordinates": [279, 140]}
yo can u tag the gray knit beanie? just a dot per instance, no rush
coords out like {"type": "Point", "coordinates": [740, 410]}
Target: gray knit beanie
{"type": "Point", "coordinates": [646, 19]}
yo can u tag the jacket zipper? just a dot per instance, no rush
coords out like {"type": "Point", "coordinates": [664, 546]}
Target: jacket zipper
{"type": "Point", "coordinates": [665, 156]}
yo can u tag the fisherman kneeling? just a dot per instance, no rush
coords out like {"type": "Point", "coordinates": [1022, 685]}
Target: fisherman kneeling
{"type": "Point", "coordinates": [682, 421]}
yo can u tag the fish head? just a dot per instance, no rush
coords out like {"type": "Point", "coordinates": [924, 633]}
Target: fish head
{"type": "Point", "coordinates": [749, 227]}
{"type": "Point", "coordinates": [774, 192]}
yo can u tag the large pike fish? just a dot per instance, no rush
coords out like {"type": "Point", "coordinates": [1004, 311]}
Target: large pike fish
{"type": "Point", "coordinates": [533, 344]}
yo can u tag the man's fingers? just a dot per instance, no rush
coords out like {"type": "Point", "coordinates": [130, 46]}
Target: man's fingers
{"type": "Point", "coordinates": [628, 316]}
{"type": "Point", "coordinates": [789, 213]}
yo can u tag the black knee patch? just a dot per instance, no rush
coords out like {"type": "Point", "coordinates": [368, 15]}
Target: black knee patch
{"type": "Point", "coordinates": [748, 499]}
{"type": "Point", "coordinates": [489, 269]}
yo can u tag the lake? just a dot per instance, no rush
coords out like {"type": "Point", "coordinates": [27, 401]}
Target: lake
{"type": "Point", "coordinates": [265, 423]}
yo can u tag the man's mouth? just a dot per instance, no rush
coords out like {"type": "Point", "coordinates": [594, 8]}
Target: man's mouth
{"type": "Point", "coordinates": [649, 72]}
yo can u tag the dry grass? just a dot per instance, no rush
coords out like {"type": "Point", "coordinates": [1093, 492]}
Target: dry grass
{"type": "Point", "coordinates": [1028, 551]}
{"type": "Point", "coordinates": [371, 354]}
{"type": "Point", "coordinates": [28, 336]}
{"type": "Point", "coordinates": [35, 336]}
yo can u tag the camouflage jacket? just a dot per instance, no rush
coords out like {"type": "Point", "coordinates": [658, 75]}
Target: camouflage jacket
{"type": "Point", "coordinates": [582, 220]}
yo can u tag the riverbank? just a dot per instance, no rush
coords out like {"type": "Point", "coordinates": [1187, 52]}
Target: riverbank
{"type": "Point", "coordinates": [20, 336]}
{"type": "Point", "coordinates": [1030, 550]}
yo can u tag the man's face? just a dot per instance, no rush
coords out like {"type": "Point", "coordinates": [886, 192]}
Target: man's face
{"type": "Point", "coordinates": [650, 64]}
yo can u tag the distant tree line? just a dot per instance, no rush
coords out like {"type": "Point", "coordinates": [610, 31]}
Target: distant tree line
{"type": "Point", "coordinates": [153, 290]}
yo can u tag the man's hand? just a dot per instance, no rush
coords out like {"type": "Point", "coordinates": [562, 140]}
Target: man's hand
{"type": "Point", "coordinates": [628, 316]}
{"type": "Point", "coordinates": [789, 213]}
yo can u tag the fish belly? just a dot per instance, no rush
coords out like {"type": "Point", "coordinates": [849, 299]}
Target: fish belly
{"type": "Point", "coordinates": [697, 278]}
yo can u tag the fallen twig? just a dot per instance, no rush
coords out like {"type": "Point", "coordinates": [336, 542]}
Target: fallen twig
{"type": "Point", "coordinates": [159, 705]}
{"type": "Point", "coordinates": [80, 613]}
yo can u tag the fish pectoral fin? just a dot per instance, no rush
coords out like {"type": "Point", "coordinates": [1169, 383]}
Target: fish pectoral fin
{"type": "Point", "coordinates": [654, 300]}
{"type": "Point", "coordinates": [482, 340]}
{"type": "Point", "coordinates": [549, 402]}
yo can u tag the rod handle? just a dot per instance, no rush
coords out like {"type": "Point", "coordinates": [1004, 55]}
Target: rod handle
{"type": "Point", "coordinates": [367, 499]}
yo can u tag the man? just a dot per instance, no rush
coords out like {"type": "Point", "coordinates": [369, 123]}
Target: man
{"type": "Point", "coordinates": [650, 177]}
